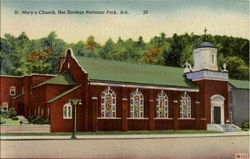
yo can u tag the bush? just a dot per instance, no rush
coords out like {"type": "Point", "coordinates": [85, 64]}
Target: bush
{"type": "Point", "coordinates": [2, 121]}
{"type": "Point", "coordinates": [5, 114]}
{"type": "Point", "coordinates": [38, 120]}
{"type": "Point", "coordinates": [12, 113]}
{"type": "Point", "coordinates": [9, 114]}
{"type": "Point", "coordinates": [245, 125]}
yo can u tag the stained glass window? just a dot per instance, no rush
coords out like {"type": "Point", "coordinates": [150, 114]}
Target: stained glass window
{"type": "Point", "coordinates": [185, 107]}
{"type": "Point", "coordinates": [162, 105]}
{"type": "Point", "coordinates": [67, 111]}
{"type": "Point", "coordinates": [108, 103]}
{"type": "Point", "coordinates": [136, 104]}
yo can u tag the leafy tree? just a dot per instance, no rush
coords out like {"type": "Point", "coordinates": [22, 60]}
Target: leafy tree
{"type": "Point", "coordinates": [79, 48]}
{"type": "Point", "coordinates": [107, 49]}
{"type": "Point", "coordinates": [237, 68]}
{"type": "Point", "coordinates": [21, 55]}
{"type": "Point", "coordinates": [172, 57]}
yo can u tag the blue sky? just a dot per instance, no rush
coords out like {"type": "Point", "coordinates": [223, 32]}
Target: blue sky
{"type": "Point", "coordinates": [222, 17]}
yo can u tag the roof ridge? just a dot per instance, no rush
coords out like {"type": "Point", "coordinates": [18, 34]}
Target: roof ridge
{"type": "Point", "coordinates": [63, 74]}
{"type": "Point", "coordinates": [126, 62]}
{"type": "Point", "coordinates": [63, 94]}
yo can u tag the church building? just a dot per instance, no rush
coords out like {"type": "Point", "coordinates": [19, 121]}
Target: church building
{"type": "Point", "coordinates": [122, 96]}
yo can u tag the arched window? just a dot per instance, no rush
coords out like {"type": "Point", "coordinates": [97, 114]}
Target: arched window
{"type": "Point", "coordinates": [162, 105]}
{"type": "Point", "coordinates": [12, 90]}
{"type": "Point", "coordinates": [108, 103]}
{"type": "Point", "coordinates": [136, 104]}
{"type": "Point", "coordinates": [67, 111]}
{"type": "Point", "coordinates": [185, 107]}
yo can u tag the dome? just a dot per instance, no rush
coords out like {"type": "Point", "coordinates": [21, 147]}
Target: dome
{"type": "Point", "coordinates": [205, 44]}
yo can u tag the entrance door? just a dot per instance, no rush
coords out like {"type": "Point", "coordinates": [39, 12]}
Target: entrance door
{"type": "Point", "coordinates": [20, 108]}
{"type": "Point", "coordinates": [217, 115]}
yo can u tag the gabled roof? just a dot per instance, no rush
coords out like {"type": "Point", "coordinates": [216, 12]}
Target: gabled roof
{"type": "Point", "coordinates": [61, 79]}
{"type": "Point", "coordinates": [241, 84]}
{"type": "Point", "coordinates": [117, 71]}
{"type": "Point", "coordinates": [63, 94]}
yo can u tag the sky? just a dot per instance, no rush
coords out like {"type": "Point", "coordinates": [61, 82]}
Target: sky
{"type": "Point", "coordinates": [220, 17]}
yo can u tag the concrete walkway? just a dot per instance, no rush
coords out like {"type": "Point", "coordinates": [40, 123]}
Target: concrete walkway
{"type": "Point", "coordinates": [120, 137]}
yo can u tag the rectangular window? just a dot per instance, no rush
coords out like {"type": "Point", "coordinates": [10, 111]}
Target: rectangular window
{"type": "Point", "coordinates": [5, 106]}
{"type": "Point", "coordinates": [12, 90]}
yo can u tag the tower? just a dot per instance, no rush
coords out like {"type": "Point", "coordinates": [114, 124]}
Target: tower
{"type": "Point", "coordinates": [212, 83]}
{"type": "Point", "coordinates": [205, 57]}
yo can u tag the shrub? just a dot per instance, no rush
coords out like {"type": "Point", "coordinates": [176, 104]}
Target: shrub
{"type": "Point", "coordinates": [38, 120]}
{"type": "Point", "coordinates": [31, 118]}
{"type": "Point", "coordinates": [5, 114]}
{"type": "Point", "coordinates": [12, 113]}
{"type": "Point", "coordinates": [2, 121]}
{"type": "Point", "coordinates": [245, 125]}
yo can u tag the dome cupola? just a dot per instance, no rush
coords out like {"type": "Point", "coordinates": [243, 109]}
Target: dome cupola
{"type": "Point", "coordinates": [205, 44]}
{"type": "Point", "coordinates": [205, 56]}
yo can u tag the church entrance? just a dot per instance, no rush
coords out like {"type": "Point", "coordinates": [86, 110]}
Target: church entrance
{"type": "Point", "coordinates": [217, 109]}
{"type": "Point", "coordinates": [20, 109]}
{"type": "Point", "coordinates": [217, 115]}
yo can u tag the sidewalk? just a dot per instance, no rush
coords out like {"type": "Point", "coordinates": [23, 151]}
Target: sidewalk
{"type": "Point", "coordinates": [126, 137]}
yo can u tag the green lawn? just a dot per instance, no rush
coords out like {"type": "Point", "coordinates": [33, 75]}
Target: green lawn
{"type": "Point", "coordinates": [144, 132]}
{"type": "Point", "coordinates": [9, 121]}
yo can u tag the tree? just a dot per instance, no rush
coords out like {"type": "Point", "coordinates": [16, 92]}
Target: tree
{"type": "Point", "coordinates": [237, 68]}
{"type": "Point", "coordinates": [21, 55]}
{"type": "Point", "coordinates": [106, 50]}
{"type": "Point", "coordinates": [79, 48]}
{"type": "Point", "coordinates": [172, 57]}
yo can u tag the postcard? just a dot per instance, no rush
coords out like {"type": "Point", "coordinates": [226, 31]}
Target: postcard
{"type": "Point", "coordinates": [126, 79]}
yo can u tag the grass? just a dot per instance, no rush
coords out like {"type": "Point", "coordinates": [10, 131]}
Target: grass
{"type": "Point", "coordinates": [9, 121]}
{"type": "Point", "coordinates": [142, 132]}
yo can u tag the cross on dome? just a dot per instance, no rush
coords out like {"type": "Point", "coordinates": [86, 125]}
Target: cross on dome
{"type": "Point", "coordinates": [205, 31]}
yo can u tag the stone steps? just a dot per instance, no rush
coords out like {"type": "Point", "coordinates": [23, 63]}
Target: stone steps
{"type": "Point", "coordinates": [223, 127]}
{"type": "Point", "coordinates": [22, 119]}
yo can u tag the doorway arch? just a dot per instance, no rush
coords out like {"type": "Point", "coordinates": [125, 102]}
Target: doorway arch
{"type": "Point", "coordinates": [217, 109]}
